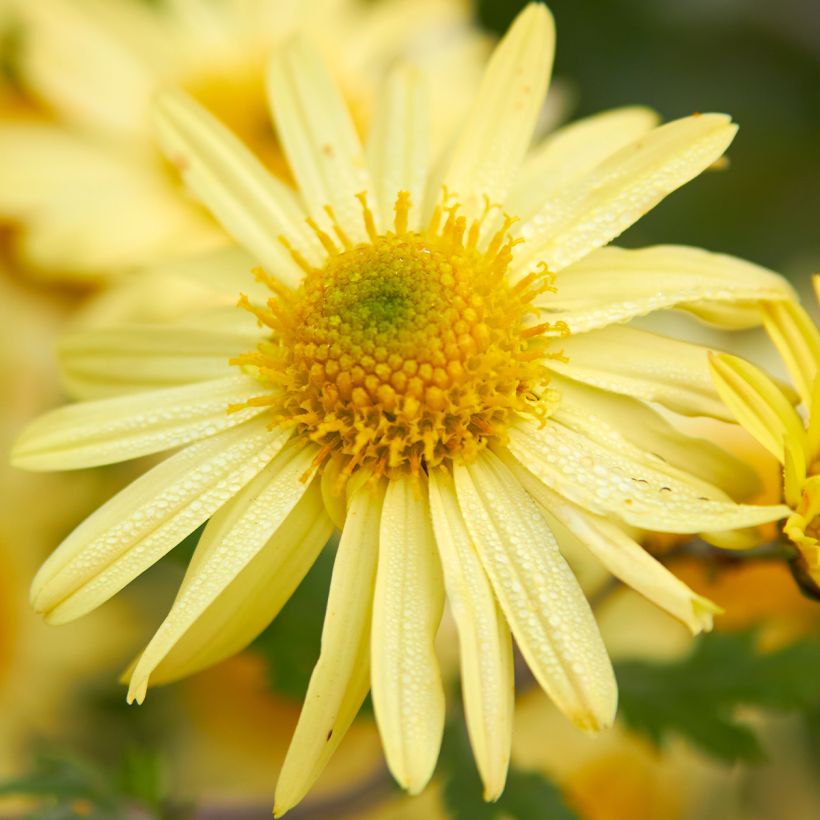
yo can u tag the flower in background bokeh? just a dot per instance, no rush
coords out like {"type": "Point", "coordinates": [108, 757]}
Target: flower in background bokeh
{"type": "Point", "coordinates": [81, 177]}
{"type": "Point", "coordinates": [770, 416]}
{"type": "Point", "coordinates": [405, 383]}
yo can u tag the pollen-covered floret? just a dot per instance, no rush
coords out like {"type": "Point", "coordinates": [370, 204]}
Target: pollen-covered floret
{"type": "Point", "coordinates": [407, 350]}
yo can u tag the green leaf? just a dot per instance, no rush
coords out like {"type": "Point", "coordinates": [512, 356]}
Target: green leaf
{"type": "Point", "coordinates": [697, 696]}
{"type": "Point", "coordinates": [528, 795]}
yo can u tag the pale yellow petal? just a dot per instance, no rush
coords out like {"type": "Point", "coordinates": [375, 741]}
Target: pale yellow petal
{"type": "Point", "coordinates": [234, 536]}
{"type": "Point", "coordinates": [125, 427]}
{"type": "Point", "coordinates": [550, 618]}
{"type": "Point", "coordinates": [565, 156]}
{"type": "Point", "coordinates": [756, 402]}
{"type": "Point", "coordinates": [615, 285]}
{"type": "Point", "coordinates": [484, 639]}
{"type": "Point", "coordinates": [798, 341]}
{"type": "Point", "coordinates": [398, 147]}
{"type": "Point", "coordinates": [253, 206]}
{"type": "Point", "coordinates": [67, 43]}
{"type": "Point", "coordinates": [254, 598]}
{"type": "Point", "coordinates": [128, 359]}
{"type": "Point", "coordinates": [500, 125]}
{"type": "Point", "coordinates": [148, 518]}
{"type": "Point", "coordinates": [646, 366]}
{"type": "Point", "coordinates": [341, 678]}
{"type": "Point", "coordinates": [318, 137]}
{"type": "Point", "coordinates": [408, 697]}
{"type": "Point", "coordinates": [620, 190]}
{"type": "Point", "coordinates": [622, 556]}
{"type": "Point", "coordinates": [588, 407]}
{"type": "Point", "coordinates": [611, 476]}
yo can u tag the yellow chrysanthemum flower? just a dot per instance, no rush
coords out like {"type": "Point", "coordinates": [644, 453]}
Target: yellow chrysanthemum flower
{"type": "Point", "coordinates": [406, 375]}
{"type": "Point", "coordinates": [81, 177]}
{"type": "Point", "coordinates": [770, 416]}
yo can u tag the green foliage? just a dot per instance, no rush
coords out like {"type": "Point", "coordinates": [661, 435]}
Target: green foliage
{"type": "Point", "coordinates": [697, 696]}
{"type": "Point", "coordinates": [290, 645]}
{"type": "Point", "coordinates": [528, 795]}
{"type": "Point", "coordinates": [68, 786]}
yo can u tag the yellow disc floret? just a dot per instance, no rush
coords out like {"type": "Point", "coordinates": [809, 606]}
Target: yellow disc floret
{"type": "Point", "coordinates": [406, 351]}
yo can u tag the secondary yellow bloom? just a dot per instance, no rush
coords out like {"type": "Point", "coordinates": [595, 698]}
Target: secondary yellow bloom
{"type": "Point", "coordinates": [406, 375]}
{"type": "Point", "coordinates": [87, 188]}
{"type": "Point", "coordinates": [769, 415]}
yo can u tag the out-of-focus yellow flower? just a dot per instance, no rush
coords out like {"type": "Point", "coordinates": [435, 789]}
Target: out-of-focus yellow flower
{"type": "Point", "coordinates": [41, 669]}
{"type": "Point", "coordinates": [81, 177]}
{"type": "Point", "coordinates": [402, 383]}
{"type": "Point", "coordinates": [769, 415]}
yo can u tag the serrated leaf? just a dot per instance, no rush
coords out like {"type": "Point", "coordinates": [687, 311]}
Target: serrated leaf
{"type": "Point", "coordinates": [528, 795]}
{"type": "Point", "coordinates": [698, 696]}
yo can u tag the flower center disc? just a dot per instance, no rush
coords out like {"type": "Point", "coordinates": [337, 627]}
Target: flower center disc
{"type": "Point", "coordinates": [406, 351]}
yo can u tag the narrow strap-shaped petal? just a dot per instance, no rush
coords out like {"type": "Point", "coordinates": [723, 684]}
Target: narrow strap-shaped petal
{"type": "Point", "coordinates": [129, 359]}
{"type": "Point", "coordinates": [798, 341]}
{"type": "Point", "coordinates": [563, 157]}
{"type": "Point", "coordinates": [254, 598]}
{"type": "Point", "coordinates": [408, 697]}
{"type": "Point", "coordinates": [254, 207]}
{"type": "Point", "coordinates": [341, 677]}
{"type": "Point", "coordinates": [587, 407]}
{"type": "Point", "coordinates": [398, 147]}
{"type": "Point", "coordinates": [318, 137]}
{"type": "Point", "coordinates": [148, 518]}
{"type": "Point", "coordinates": [67, 42]}
{"type": "Point", "coordinates": [550, 618]}
{"type": "Point", "coordinates": [756, 402]}
{"type": "Point", "coordinates": [500, 125]}
{"type": "Point", "coordinates": [124, 427]}
{"type": "Point", "coordinates": [232, 539]}
{"type": "Point", "coordinates": [615, 285]}
{"type": "Point", "coordinates": [484, 639]}
{"type": "Point", "coordinates": [616, 193]}
{"type": "Point", "coordinates": [646, 366]}
{"type": "Point", "coordinates": [609, 475]}
{"type": "Point", "coordinates": [622, 556]}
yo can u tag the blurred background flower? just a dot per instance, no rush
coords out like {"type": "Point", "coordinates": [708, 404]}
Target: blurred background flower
{"type": "Point", "coordinates": [72, 102]}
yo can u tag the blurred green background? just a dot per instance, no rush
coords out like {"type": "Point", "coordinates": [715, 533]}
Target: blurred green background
{"type": "Point", "coordinates": [754, 59]}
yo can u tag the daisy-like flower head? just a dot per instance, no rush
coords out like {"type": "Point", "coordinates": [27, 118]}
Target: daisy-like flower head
{"type": "Point", "coordinates": [88, 128]}
{"type": "Point", "coordinates": [407, 376]}
{"type": "Point", "coordinates": [768, 413]}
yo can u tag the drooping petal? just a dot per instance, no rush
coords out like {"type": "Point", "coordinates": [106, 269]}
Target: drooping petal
{"type": "Point", "coordinates": [232, 539]}
{"type": "Point", "coordinates": [484, 639]}
{"type": "Point", "coordinates": [148, 518]}
{"type": "Point", "coordinates": [341, 677]}
{"type": "Point", "coordinates": [398, 147]}
{"type": "Point", "coordinates": [565, 156]}
{"type": "Point", "coordinates": [408, 697]}
{"type": "Point", "coordinates": [500, 125]}
{"type": "Point", "coordinates": [622, 556]}
{"type": "Point", "coordinates": [318, 137]}
{"type": "Point", "coordinates": [756, 403]}
{"type": "Point", "coordinates": [549, 615]}
{"type": "Point", "coordinates": [620, 190]}
{"type": "Point", "coordinates": [607, 475]}
{"type": "Point", "coordinates": [124, 427]}
{"type": "Point", "coordinates": [588, 408]}
{"type": "Point", "coordinates": [253, 206]}
{"type": "Point", "coordinates": [254, 598]}
{"type": "Point", "coordinates": [615, 285]}
{"type": "Point", "coordinates": [646, 366]}
{"type": "Point", "coordinates": [129, 359]}
{"type": "Point", "coordinates": [798, 341]}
